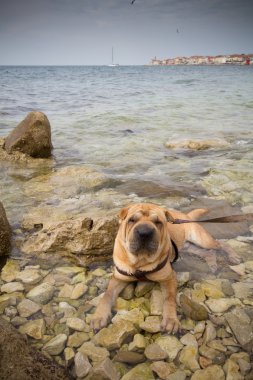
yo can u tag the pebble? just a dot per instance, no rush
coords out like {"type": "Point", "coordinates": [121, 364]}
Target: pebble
{"type": "Point", "coordinates": [78, 291]}
{"type": "Point", "coordinates": [232, 370]}
{"type": "Point", "coordinates": [26, 308]}
{"type": "Point", "coordinates": [82, 365]}
{"type": "Point", "coordinates": [129, 357]}
{"type": "Point", "coordinates": [154, 352]}
{"type": "Point", "coordinates": [210, 332]}
{"type": "Point", "coordinates": [239, 322]}
{"type": "Point", "coordinates": [10, 271]}
{"type": "Point", "coordinates": [135, 316]}
{"type": "Point", "coordinates": [163, 369]}
{"type": "Point", "coordinates": [77, 339]}
{"type": "Point", "coordinates": [29, 276]}
{"type": "Point", "coordinates": [170, 344]}
{"type": "Point", "coordinates": [192, 309]}
{"type": "Point", "coordinates": [42, 293]}
{"type": "Point", "coordinates": [189, 358]}
{"type": "Point", "coordinates": [69, 355]}
{"type": "Point", "coordinates": [113, 336]}
{"type": "Point", "coordinates": [12, 287]}
{"type": "Point", "coordinates": [209, 373]}
{"type": "Point", "coordinates": [139, 372]}
{"type": "Point", "coordinates": [56, 345]}
{"type": "Point", "coordinates": [222, 304]}
{"type": "Point", "coordinates": [151, 324]}
{"type": "Point", "coordinates": [94, 353]}
{"type": "Point", "coordinates": [105, 370]}
{"type": "Point", "coordinates": [189, 340]}
{"type": "Point", "coordinates": [77, 324]}
{"type": "Point", "coordinates": [156, 302]}
{"type": "Point", "coordinates": [138, 344]}
{"type": "Point", "coordinates": [35, 328]}
{"type": "Point", "coordinates": [143, 287]}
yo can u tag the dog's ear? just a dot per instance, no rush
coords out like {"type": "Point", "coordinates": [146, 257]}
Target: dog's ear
{"type": "Point", "coordinates": [123, 213]}
{"type": "Point", "coordinates": [169, 217]}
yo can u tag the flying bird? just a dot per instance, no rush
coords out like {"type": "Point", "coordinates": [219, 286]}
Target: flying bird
{"type": "Point", "coordinates": [132, 2]}
{"type": "Point", "coordinates": [177, 31]}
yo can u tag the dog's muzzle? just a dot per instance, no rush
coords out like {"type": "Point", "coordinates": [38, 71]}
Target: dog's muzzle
{"type": "Point", "coordinates": [144, 239]}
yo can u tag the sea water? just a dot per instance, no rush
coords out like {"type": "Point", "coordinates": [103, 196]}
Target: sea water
{"type": "Point", "coordinates": [118, 120]}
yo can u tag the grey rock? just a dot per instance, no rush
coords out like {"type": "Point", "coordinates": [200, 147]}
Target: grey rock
{"type": "Point", "coordinates": [155, 352]}
{"type": "Point", "coordinates": [32, 136]}
{"type": "Point", "coordinates": [239, 323]}
{"type": "Point", "coordinates": [82, 365]}
{"type": "Point", "coordinates": [26, 308]}
{"type": "Point", "coordinates": [42, 293]}
{"type": "Point", "coordinates": [5, 233]}
{"type": "Point", "coordinates": [56, 345]}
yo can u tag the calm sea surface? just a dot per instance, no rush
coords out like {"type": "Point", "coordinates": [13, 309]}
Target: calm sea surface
{"type": "Point", "coordinates": [118, 119]}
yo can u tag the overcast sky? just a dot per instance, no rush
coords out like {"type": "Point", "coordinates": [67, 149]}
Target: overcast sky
{"type": "Point", "coordinates": [82, 32]}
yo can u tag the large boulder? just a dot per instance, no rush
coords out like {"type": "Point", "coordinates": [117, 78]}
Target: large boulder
{"type": "Point", "coordinates": [80, 235]}
{"type": "Point", "coordinates": [5, 233]}
{"type": "Point", "coordinates": [20, 361]}
{"type": "Point", "coordinates": [32, 136]}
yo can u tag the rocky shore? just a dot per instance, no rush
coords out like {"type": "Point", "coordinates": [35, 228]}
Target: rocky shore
{"type": "Point", "coordinates": [53, 305]}
{"type": "Point", "coordinates": [61, 265]}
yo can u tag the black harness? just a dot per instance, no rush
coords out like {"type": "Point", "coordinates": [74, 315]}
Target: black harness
{"type": "Point", "coordinates": [141, 274]}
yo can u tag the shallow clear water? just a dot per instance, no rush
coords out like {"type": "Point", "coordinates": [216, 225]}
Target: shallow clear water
{"type": "Point", "coordinates": [118, 119]}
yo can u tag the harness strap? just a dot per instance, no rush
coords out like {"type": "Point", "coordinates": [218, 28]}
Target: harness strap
{"type": "Point", "coordinates": [141, 275]}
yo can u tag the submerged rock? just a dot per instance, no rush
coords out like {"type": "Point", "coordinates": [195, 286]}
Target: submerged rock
{"type": "Point", "coordinates": [113, 336]}
{"type": "Point", "coordinates": [139, 372]}
{"type": "Point", "coordinates": [198, 144]}
{"type": "Point", "coordinates": [209, 373]}
{"type": "Point", "coordinates": [170, 344]}
{"type": "Point", "coordinates": [193, 309]}
{"type": "Point", "coordinates": [32, 136]}
{"type": "Point", "coordinates": [5, 233]}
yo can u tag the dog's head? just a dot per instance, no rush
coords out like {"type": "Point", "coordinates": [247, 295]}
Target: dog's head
{"type": "Point", "coordinates": [144, 228]}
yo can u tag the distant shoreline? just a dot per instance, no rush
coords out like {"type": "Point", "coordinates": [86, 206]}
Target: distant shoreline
{"type": "Point", "coordinates": [232, 59]}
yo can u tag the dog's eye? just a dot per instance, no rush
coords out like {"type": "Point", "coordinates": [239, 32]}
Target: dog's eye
{"type": "Point", "coordinates": [131, 220]}
{"type": "Point", "coordinates": [158, 222]}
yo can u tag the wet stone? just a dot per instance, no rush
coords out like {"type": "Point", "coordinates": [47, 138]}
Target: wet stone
{"type": "Point", "coordinates": [77, 324]}
{"type": "Point", "coordinates": [222, 304]}
{"type": "Point", "coordinates": [10, 271]}
{"type": "Point", "coordinates": [94, 353]}
{"type": "Point", "coordinates": [29, 276]}
{"type": "Point", "coordinates": [211, 372]}
{"type": "Point", "coordinates": [77, 339]}
{"type": "Point", "coordinates": [143, 288]}
{"type": "Point", "coordinates": [139, 372]}
{"type": "Point", "coordinates": [155, 352]}
{"type": "Point", "coordinates": [42, 293]}
{"type": "Point", "coordinates": [232, 370]}
{"type": "Point", "coordinates": [129, 357]}
{"type": "Point", "coordinates": [105, 370]}
{"type": "Point", "coordinates": [138, 344]}
{"type": "Point", "coordinates": [239, 322]}
{"type": "Point", "coordinates": [128, 292]}
{"type": "Point", "coordinates": [156, 302]}
{"type": "Point", "coordinates": [82, 365]}
{"type": "Point", "coordinates": [56, 345]}
{"type": "Point", "coordinates": [135, 316]}
{"type": "Point", "coordinates": [170, 344]}
{"type": "Point", "coordinates": [192, 309]}
{"type": "Point", "coordinates": [34, 328]}
{"type": "Point", "coordinates": [189, 358]}
{"type": "Point", "coordinates": [113, 336]}
{"type": "Point", "coordinates": [26, 308]}
{"type": "Point", "coordinates": [151, 324]}
{"type": "Point", "coordinates": [163, 369]}
{"type": "Point", "coordinates": [12, 287]}
{"type": "Point", "coordinates": [69, 355]}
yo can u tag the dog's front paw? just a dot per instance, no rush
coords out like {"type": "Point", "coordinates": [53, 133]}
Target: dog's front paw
{"type": "Point", "coordinates": [99, 321]}
{"type": "Point", "coordinates": [171, 325]}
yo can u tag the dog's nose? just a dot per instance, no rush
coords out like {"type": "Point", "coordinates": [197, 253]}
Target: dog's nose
{"type": "Point", "coordinates": [145, 231]}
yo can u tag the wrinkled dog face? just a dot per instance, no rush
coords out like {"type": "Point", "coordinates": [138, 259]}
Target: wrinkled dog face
{"type": "Point", "coordinates": [145, 229]}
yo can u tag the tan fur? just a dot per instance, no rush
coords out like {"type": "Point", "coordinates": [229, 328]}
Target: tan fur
{"type": "Point", "coordinates": [149, 214]}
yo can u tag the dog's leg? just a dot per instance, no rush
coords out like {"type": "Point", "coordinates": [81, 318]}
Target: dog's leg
{"type": "Point", "coordinates": [170, 321]}
{"type": "Point", "coordinates": [196, 234]}
{"type": "Point", "coordinates": [103, 311]}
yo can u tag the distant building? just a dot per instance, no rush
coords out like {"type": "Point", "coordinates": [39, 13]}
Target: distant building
{"type": "Point", "coordinates": [232, 59]}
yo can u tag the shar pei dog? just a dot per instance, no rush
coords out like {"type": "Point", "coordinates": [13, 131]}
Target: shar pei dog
{"type": "Point", "coordinates": [146, 245]}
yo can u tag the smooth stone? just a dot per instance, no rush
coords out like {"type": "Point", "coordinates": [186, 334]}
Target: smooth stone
{"type": "Point", "coordinates": [232, 370]}
{"type": "Point", "coordinates": [208, 352]}
{"type": "Point", "coordinates": [10, 270]}
{"type": "Point", "coordinates": [151, 324]}
{"type": "Point", "coordinates": [78, 291]}
{"type": "Point", "coordinates": [142, 288]}
{"type": "Point", "coordinates": [69, 271]}
{"type": "Point", "coordinates": [243, 290]}
{"type": "Point", "coordinates": [239, 322]}
{"type": "Point", "coordinates": [129, 357]}
{"type": "Point", "coordinates": [154, 352]}
{"type": "Point", "coordinates": [29, 276]}
{"type": "Point", "coordinates": [210, 333]}
{"type": "Point", "coordinates": [156, 302]}
{"type": "Point", "coordinates": [68, 310]}
{"type": "Point", "coordinates": [138, 344]}
{"type": "Point", "coordinates": [135, 316]}
{"type": "Point", "coordinates": [189, 358]}
{"type": "Point", "coordinates": [69, 355]}
{"type": "Point", "coordinates": [192, 309]}
{"type": "Point", "coordinates": [178, 375]}
{"type": "Point", "coordinates": [113, 336]}
{"type": "Point", "coordinates": [26, 308]}
{"type": "Point", "coordinates": [121, 304]}
{"type": "Point", "coordinates": [169, 344]}
{"type": "Point", "coordinates": [12, 287]}
{"type": "Point", "coordinates": [139, 372]}
{"type": "Point", "coordinates": [77, 339]}
{"type": "Point", "coordinates": [128, 292]}
{"type": "Point", "coordinates": [210, 373]}
{"type": "Point", "coordinates": [163, 369]}
{"type": "Point", "coordinates": [77, 324]}
{"type": "Point", "coordinates": [182, 278]}
{"type": "Point", "coordinates": [66, 291]}
{"type": "Point", "coordinates": [105, 370]}
{"type": "Point", "coordinates": [222, 304]}
{"type": "Point", "coordinates": [56, 345]}
{"type": "Point", "coordinates": [189, 340]}
{"type": "Point", "coordinates": [82, 365]}
{"type": "Point", "coordinates": [94, 353]}
{"type": "Point", "coordinates": [217, 345]}
{"type": "Point", "coordinates": [35, 328]}
{"type": "Point", "coordinates": [42, 293]}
